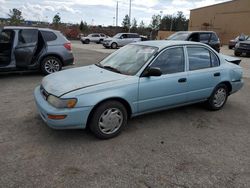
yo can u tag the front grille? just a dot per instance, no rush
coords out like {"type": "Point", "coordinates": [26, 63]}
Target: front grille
{"type": "Point", "coordinates": [243, 45]}
{"type": "Point", "coordinates": [44, 93]}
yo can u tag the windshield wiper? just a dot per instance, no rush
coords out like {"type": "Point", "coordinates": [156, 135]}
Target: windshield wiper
{"type": "Point", "coordinates": [98, 65]}
{"type": "Point", "coordinates": [111, 68]}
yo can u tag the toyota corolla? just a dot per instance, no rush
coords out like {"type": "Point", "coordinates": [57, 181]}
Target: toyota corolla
{"type": "Point", "coordinates": [136, 79]}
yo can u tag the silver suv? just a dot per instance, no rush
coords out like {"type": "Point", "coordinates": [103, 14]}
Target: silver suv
{"type": "Point", "coordinates": [27, 48]}
{"type": "Point", "coordinates": [121, 39]}
{"type": "Point", "coordinates": [94, 37]}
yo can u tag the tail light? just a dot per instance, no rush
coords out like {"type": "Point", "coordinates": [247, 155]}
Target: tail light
{"type": "Point", "coordinates": [68, 46]}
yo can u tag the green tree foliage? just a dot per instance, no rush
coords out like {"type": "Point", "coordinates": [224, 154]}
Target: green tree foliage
{"type": "Point", "coordinates": [126, 23]}
{"type": "Point", "coordinates": [134, 25]}
{"type": "Point", "coordinates": [56, 20]}
{"type": "Point", "coordinates": [83, 26]}
{"type": "Point", "coordinates": [176, 23]}
{"type": "Point", "coordinates": [15, 17]}
{"type": "Point", "coordinates": [142, 25]}
{"type": "Point", "coordinates": [155, 23]}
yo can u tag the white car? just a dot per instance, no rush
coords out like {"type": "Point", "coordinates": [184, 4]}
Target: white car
{"type": "Point", "coordinates": [121, 39]}
{"type": "Point", "coordinates": [94, 37]}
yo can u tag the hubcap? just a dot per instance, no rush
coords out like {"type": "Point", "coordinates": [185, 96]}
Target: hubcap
{"type": "Point", "coordinates": [110, 120]}
{"type": "Point", "coordinates": [52, 65]}
{"type": "Point", "coordinates": [219, 97]}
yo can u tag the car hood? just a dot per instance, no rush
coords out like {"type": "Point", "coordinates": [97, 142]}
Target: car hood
{"type": "Point", "coordinates": [63, 82]}
{"type": "Point", "coordinates": [109, 38]}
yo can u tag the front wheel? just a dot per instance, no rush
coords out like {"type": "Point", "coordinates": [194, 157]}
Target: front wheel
{"type": "Point", "coordinates": [108, 119]}
{"type": "Point", "coordinates": [50, 65]}
{"type": "Point", "coordinates": [237, 54]}
{"type": "Point", "coordinates": [218, 98]}
{"type": "Point", "coordinates": [114, 45]}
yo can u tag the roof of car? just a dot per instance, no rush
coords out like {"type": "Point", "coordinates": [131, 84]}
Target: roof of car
{"type": "Point", "coordinates": [22, 27]}
{"type": "Point", "coordinates": [166, 43]}
{"type": "Point", "coordinates": [195, 32]}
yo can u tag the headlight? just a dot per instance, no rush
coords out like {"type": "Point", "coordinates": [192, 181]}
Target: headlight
{"type": "Point", "coordinates": [237, 45]}
{"type": "Point", "coordinates": [61, 103]}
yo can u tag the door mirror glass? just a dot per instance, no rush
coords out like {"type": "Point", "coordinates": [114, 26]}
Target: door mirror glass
{"type": "Point", "coordinates": [152, 71]}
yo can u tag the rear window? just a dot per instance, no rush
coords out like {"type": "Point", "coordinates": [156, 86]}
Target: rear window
{"type": "Point", "coordinates": [49, 36]}
{"type": "Point", "coordinates": [204, 37]}
{"type": "Point", "coordinates": [214, 37]}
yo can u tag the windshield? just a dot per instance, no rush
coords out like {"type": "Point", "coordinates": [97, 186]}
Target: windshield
{"type": "Point", "coordinates": [117, 36]}
{"type": "Point", "coordinates": [129, 59]}
{"type": "Point", "coordinates": [178, 36]}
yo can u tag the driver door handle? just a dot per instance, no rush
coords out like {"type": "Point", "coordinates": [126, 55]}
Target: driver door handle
{"type": "Point", "coordinates": [181, 80]}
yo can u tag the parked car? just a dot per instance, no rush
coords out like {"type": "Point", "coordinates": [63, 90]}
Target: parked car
{"type": "Point", "coordinates": [94, 37]}
{"type": "Point", "coordinates": [233, 42]}
{"type": "Point", "coordinates": [207, 37]}
{"type": "Point", "coordinates": [121, 39]}
{"type": "Point", "coordinates": [139, 78]}
{"type": "Point", "coordinates": [242, 47]}
{"type": "Point", "coordinates": [27, 48]}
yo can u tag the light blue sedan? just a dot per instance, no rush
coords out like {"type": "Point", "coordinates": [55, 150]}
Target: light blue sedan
{"type": "Point", "coordinates": [136, 79]}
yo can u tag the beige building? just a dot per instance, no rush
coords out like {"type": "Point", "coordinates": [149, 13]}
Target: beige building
{"type": "Point", "coordinates": [228, 19]}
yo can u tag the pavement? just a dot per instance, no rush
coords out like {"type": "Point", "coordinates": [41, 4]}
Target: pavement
{"type": "Point", "coordinates": [183, 147]}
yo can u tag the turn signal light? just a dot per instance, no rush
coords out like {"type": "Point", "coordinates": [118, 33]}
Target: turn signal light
{"type": "Point", "coordinates": [56, 117]}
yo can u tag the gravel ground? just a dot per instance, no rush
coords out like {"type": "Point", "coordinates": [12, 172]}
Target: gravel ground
{"type": "Point", "coordinates": [183, 147]}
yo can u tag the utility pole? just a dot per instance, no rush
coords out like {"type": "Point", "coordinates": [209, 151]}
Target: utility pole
{"type": "Point", "coordinates": [117, 14]}
{"type": "Point", "coordinates": [129, 15]}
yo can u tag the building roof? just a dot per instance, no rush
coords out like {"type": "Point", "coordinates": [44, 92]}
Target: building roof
{"type": "Point", "coordinates": [213, 5]}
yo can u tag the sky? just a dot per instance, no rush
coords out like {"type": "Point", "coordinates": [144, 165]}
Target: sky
{"type": "Point", "coordinates": [99, 12]}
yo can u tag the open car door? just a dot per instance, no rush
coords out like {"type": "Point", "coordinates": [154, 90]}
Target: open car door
{"type": "Point", "coordinates": [6, 42]}
{"type": "Point", "coordinates": [26, 47]}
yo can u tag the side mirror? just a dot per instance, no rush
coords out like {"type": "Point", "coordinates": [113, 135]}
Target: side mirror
{"type": "Point", "coordinates": [152, 71]}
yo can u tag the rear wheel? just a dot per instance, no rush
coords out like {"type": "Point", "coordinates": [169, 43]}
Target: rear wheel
{"type": "Point", "coordinates": [230, 47]}
{"type": "Point", "coordinates": [218, 98]}
{"type": "Point", "coordinates": [114, 45]}
{"type": "Point", "coordinates": [50, 65]}
{"type": "Point", "coordinates": [108, 119]}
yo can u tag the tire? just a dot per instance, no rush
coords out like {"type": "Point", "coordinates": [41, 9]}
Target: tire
{"type": "Point", "coordinates": [218, 98]}
{"type": "Point", "coordinates": [106, 125]}
{"type": "Point", "coordinates": [237, 53]}
{"type": "Point", "coordinates": [50, 65]}
{"type": "Point", "coordinates": [87, 41]}
{"type": "Point", "coordinates": [114, 45]}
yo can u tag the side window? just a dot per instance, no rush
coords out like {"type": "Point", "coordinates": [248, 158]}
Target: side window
{"type": "Point", "coordinates": [6, 36]}
{"type": "Point", "coordinates": [171, 61]}
{"type": "Point", "coordinates": [102, 35]}
{"type": "Point", "coordinates": [95, 35]}
{"type": "Point", "coordinates": [204, 37]}
{"type": "Point", "coordinates": [48, 36]}
{"type": "Point", "coordinates": [124, 36]}
{"type": "Point", "coordinates": [214, 60]}
{"type": "Point", "coordinates": [27, 36]}
{"type": "Point", "coordinates": [201, 58]}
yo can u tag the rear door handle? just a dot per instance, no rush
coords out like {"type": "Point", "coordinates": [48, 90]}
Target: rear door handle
{"type": "Point", "coordinates": [217, 74]}
{"type": "Point", "coordinates": [181, 80]}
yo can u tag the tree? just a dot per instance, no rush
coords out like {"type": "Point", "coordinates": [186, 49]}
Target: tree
{"type": "Point", "coordinates": [15, 17]}
{"type": "Point", "coordinates": [83, 26]}
{"type": "Point", "coordinates": [142, 25]}
{"type": "Point", "coordinates": [126, 23]}
{"type": "Point", "coordinates": [56, 20]}
{"type": "Point", "coordinates": [134, 25]}
{"type": "Point", "coordinates": [156, 21]}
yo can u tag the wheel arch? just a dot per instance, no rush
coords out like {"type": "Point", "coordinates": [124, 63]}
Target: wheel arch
{"type": "Point", "coordinates": [228, 84]}
{"type": "Point", "coordinates": [119, 99]}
